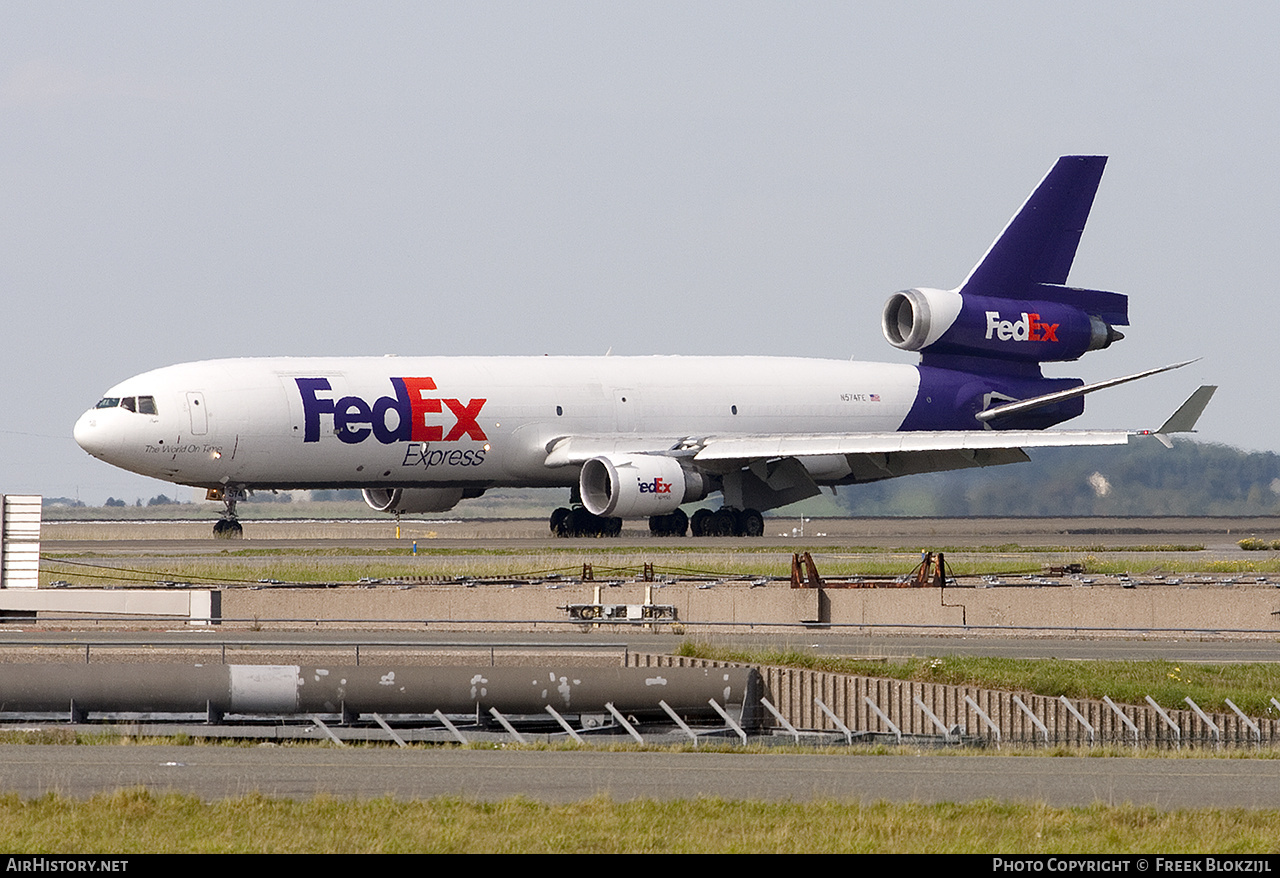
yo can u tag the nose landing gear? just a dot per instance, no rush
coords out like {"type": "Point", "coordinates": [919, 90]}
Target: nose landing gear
{"type": "Point", "coordinates": [228, 527]}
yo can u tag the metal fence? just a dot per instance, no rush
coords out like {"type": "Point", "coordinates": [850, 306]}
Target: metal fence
{"type": "Point", "coordinates": [907, 708]}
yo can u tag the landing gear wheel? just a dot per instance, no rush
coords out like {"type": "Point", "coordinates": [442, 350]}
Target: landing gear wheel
{"type": "Point", "coordinates": [750, 523]}
{"type": "Point", "coordinates": [698, 523]}
{"type": "Point", "coordinates": [679, 523]}
{"type": "Point", "coordinates": [227, 529]}
{"type": "Point", "coordinates": [674, 524]}
{"type": "Point", "coordinates": [560, 521]}
{"type": "Point", "coordinates": [578, 522]}
{"type": "Point", "coordinates": [724, 523]}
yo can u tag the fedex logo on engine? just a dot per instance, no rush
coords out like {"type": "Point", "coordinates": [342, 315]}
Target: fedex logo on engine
{"type": "Point", "coordinates": [657, 486]}
{"type": "Point", "coordinates": [354, 419]}
{"type": "Point", "coordinates": [1029, 328]}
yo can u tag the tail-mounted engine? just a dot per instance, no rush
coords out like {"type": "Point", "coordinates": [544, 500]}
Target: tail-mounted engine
{"type": "Point", "coordinates": [636, 485]}
{"type": "Point", "coordinates": [1035, 331]}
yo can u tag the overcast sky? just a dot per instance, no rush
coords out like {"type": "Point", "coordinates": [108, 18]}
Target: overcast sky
{"type": "Point", "coordinates": [184, 181]}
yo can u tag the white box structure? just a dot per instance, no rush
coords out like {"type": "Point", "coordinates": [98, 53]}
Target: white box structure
{"type": "Point", "coordinates": [20, 542]}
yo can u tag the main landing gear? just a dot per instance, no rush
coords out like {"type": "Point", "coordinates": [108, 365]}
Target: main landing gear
{"type": "Point", "coordinates": [228, 527]}
{"type": "Point", "coordinates": [724, 522]}
{"type": "Point", "coordinates": [674, 524]}
{"type": "Point", "coordinates": [578, 522]}
{"type": "Point", "coordinates": [727, 522]}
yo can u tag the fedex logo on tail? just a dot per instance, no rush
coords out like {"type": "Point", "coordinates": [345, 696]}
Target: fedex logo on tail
{"type": "Point", "coordinates": [416, 414]}
{"type": "Point", "coordinates": [1029, 328]}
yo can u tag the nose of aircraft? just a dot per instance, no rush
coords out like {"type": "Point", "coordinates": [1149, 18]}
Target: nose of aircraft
{"type": "Point", "coordinates": [90, 435]}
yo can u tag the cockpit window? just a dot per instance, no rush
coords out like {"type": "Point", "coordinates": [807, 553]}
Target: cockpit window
{"type": "Point", "coordinates": [143, 405]}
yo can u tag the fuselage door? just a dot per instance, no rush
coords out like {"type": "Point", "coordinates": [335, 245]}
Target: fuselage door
{"type": "Point", "coordinates": [624, 409]}
{"type": "Point", "coordinates": [199, 418]}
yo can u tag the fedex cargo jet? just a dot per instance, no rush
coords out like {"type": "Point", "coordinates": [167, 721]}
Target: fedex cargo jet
{"type": "Point", "coordinates": [639, 437]}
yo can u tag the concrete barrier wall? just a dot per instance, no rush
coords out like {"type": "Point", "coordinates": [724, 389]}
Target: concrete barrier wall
{"type": "Point", "coordinates": [730, 602]}
{"type": "Point", "coordinates": [1240, 607]}
{"type": "Point", "coordinates": [1218, 608]}
{"type": "Point", "coordinates": [792, 691]}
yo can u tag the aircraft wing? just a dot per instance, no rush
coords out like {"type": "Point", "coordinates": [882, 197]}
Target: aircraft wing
{"type": "Point", "coordinates": [755, 447]}
{"type": "Point", "coordinates": [874, 456]}
{"type": "Point", "coordinates": [721, 452]}
{"type": "Point", "coordinates": [870, 456]}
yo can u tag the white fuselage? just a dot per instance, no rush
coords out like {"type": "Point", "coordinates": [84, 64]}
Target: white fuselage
{"type": "Point", "coordinates": [473, 421]}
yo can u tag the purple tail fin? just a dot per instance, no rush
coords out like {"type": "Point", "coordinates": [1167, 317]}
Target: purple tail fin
{"type": "Point", "coordinates": [1032, 257]}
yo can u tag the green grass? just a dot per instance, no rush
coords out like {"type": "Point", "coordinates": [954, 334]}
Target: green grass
{"type": "Point", "coordinates": [137, 821]}
{"type": "Point", "coordinates": [344, 564]}
{"type": "Point", "coordinates": [1249, 686]}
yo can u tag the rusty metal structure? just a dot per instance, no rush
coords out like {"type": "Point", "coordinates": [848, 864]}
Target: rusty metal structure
{"type": "Point", "coordinates": [931, 572]}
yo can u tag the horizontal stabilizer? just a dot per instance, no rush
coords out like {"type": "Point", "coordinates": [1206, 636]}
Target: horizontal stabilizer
{"type": "Point", "coordinates": [1111, 307]}
{"type": "Point", "coordinates": [1035, 402]}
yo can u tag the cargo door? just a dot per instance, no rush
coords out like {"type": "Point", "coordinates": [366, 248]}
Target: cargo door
{"type": "Point", "coordinates": [199, 417]}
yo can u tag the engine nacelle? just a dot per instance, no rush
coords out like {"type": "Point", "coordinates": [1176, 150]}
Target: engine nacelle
{"type": "Point", "coordinates": [947, 322]}
{"type": "Point", "coordinates": [412, 500]}
{"type": "Point", "coordinates": [638, 485]}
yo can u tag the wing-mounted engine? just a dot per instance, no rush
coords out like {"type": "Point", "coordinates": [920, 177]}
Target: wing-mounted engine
{"type": "Point", "coordinates": [949, 322]}
{"type": "Point", "coordinates": [638, 485]}
{"type": "Point", "coordinates": [412, 500]}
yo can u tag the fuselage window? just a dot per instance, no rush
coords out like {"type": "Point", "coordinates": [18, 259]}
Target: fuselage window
{"type": "Point", "coordinates": [129, 404]}
{"type": "Point", "coordinates": [147, 405]}
{"type": "Point", "coordinates": [108, 402]}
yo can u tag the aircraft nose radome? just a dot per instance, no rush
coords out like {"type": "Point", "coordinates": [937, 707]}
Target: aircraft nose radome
{"type": "Point", "coordinates": [89, 436]}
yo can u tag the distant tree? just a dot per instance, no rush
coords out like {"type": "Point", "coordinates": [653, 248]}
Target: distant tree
{"type": "Point", "coordinates": [112, 501]}
{"type": "Point", "coordinates": [60, 501]}
{"type": "Point", "coordinates": [1142, 478]}
{"type": "Point", "coordinates": [160, 500]}
{"type": "Point", "coordinates": [269, 497]}
{"type": "Point", "coordinates": [326, 495]}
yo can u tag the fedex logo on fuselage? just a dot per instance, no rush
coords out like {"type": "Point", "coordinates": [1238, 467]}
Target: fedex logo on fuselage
{"type": "Point", "coordinates": [354, 419]}
{"type": "Point", "coordinates": [1029, 328]}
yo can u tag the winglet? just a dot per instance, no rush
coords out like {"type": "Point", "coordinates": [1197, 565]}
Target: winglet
{"type": "Point", "coordinates": [1184, 419]}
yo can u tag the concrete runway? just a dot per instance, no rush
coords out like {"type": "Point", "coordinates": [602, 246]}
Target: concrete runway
{"type": "Point", "coordinates": [565, 776]}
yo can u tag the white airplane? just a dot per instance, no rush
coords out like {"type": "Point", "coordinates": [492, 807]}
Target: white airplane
{"type": "Point", "coordinates": [637, 437]}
